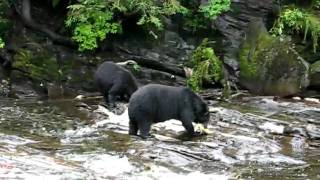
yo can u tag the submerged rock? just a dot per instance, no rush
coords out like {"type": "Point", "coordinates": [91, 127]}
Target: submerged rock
{"type": "Point", "coordinates": [271, 66]}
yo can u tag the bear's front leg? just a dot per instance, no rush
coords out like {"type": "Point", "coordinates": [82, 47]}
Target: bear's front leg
{"type": "Point", "coordinates": [113, 92]}
{"type": "Point", "coordinates": [187, 118]}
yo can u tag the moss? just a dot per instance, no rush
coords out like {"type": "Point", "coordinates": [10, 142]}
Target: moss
{"type": "Point", "coordinates": [38, 65]}
{"type": "Point", "coordinates": [252, 52]}
{"type": "Point", "coordinates": [269, 65]}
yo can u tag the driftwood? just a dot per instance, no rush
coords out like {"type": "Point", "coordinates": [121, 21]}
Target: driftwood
{"type": "Point", "coordinates": [131, 62]}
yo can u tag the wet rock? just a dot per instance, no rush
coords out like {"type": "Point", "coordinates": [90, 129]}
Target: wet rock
{"type": "Point", "coordinates": [5, 88]}
{"type": "Point", "coordinates": [315, 75]}
{"type": "Point", "coordinates": [295, 131]}
{"type": "Point", "coordinates": [22, 88]}
{"type": "Point", "coordinates": [108, 165]}
{"type": "Point", "coordinates": [243, 143]}
{"type": "Point", "coordinates": [271, 66]}
{"type": "Point", "coordinates": [313, 131]}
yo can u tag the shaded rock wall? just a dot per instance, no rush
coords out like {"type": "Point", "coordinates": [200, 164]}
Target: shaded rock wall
{"type": "Point", "coordinates": [233, 24]}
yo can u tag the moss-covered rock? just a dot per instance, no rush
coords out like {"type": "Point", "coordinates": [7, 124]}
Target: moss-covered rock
{"type": "Point", "coordinates": [49, 65]}
{"type": "Point", "coordinates": [315, 75]}
{"type": "Point", "coordinates": [38, 63]}
{"type": "Point", "coordinates": [270, 66]}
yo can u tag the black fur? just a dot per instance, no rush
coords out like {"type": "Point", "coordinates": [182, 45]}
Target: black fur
{"type": "Point", "coordinates": [157, 103]}
{"type": "Point", "coordinates": [114, 81]}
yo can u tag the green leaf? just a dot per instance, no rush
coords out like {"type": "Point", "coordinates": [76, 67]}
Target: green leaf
{"type": "Point", "coordinates": [1, 43]}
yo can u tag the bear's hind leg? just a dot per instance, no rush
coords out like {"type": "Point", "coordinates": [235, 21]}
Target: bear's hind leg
{"type": "Point", "coordinates": [144, 128]}
{"type": "Point", "coordinates": [106, 96]}
{"type": "Point", "coordinates": [133, 128]}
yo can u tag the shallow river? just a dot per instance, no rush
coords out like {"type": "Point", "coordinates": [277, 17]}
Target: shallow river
{"type": "Point", "coordinates": [253, 138]}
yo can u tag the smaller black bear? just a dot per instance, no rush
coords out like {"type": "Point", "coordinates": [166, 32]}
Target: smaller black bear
{"type": "Point", "coordinates": [115, 81]}
{"type": "Point", "coordinates": [157, 103]}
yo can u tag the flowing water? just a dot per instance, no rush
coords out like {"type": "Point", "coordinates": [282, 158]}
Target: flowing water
{"type": "Point", "coordinates": [253, 138]}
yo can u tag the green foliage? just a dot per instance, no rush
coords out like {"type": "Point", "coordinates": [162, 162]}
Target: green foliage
{"type": "Point", "coordinates": [4, 22]}
{"type": "Point", "coordinates": [151, 13]}
{"type": "Point", "coordinates": [247, 68]}
{"type": "Point", "coordinates": [195, 21]}
{"type": "Point", "coordinates": [136, 67]}
{"type": "Point", "coordinates": [316, 4]}
{"type": "Point", "coordinates": [206, 66]}
{"type": "Point", "coordinates": [298, 21]}
{"type": "Point", "coordinates": [92, 20]}
{"type": "Point", "coordinates": [199, 16]}
{"type": "Point", "coordinates": [1, 43]}
{"type": "Point", "coordinates": [214, 8]}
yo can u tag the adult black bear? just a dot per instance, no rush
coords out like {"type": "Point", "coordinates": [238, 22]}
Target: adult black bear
{"type": "Point", "coordinates": [157, 103]}
{"type": "Point", "coordinates": [114, 81]}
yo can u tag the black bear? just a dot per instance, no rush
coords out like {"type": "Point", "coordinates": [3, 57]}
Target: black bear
{"type": "Point", "coordinates": [157, 103]}
{"type": "Point", "coordinates": [115, 81]}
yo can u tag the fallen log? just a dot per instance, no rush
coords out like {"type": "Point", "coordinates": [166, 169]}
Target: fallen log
{"type": "Point", "coordinates": [152, 63]}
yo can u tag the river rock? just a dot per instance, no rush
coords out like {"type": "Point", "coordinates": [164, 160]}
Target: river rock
{"type": "Point", "coordinates": [271, 66]}
{"type": "Point", "coordinates": [313, 131]}
{"type": "Point", "coordinates": [315, 75]}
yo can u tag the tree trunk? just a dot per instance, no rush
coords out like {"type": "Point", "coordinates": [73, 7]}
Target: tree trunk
{"type": "Point", "coordinates": [29, 22]}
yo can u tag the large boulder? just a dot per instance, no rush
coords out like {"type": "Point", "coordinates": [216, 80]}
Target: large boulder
{"type": "Point", "coordinates": [270, 66]}
{"type": "Point", "coordinates": [315, 75]}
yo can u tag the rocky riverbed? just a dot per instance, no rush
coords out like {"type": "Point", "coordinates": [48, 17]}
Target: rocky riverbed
{"type": "Point", "coordinates": [253, 138]}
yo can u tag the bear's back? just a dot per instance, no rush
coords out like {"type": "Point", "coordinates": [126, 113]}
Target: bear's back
{"type": "Point", "coordinates": [158, 90]}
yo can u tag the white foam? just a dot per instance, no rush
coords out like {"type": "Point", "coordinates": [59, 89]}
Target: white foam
{"type": "Point", "coordinates": [272, 127]}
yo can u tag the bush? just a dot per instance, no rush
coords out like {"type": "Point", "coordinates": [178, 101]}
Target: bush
{"type": "Point", "coordinates": [199, 17]}
{"type": "Point", "coordinates": [214, 8]}
{"type": "Point", "coordinates": [206, 67]}
{"type": "Point", "coordinates": [92, 20]}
